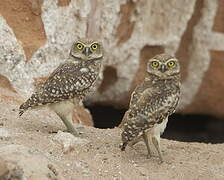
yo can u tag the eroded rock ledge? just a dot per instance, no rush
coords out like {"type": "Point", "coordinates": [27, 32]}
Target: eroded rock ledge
{"type": "Point", "coordinates": [35, 36]}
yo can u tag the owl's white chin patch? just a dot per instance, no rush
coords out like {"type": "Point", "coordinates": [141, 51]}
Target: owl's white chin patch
{"type": "Point", "coordinates": [75, 62]}
{"type": "Point", "coordinates": [84, 70]}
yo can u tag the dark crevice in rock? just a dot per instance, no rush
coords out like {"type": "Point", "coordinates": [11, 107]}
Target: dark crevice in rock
{"type": "Point", "coordinates": [106, 116]}
{"type": "Point", "coordinates": [5, 83]}
{"type": "Point", "coordinates": [63, 3]}
{"type": "Point", "coordinates": [186, 128]}
{"type": "Point", "coordinates": [24, 17]}
{"type": "Point", "coordinates": [109, 78]}
{"type": "Point", "coordinates": [146, 53]}
{"type": "Point", "coordinates": [126, 27]}
{"type": "Point", "coordinates": [93, 28]}
{"type": "Point", "coordinates": [218, 25]}
{"type": "Point", "coordinates": [195, 128]}
{"type": "Point", "coordinates": [183, 52]}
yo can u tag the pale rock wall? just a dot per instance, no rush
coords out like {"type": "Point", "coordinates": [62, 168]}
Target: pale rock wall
{"type": "Point", "coordinates": [132, 31]}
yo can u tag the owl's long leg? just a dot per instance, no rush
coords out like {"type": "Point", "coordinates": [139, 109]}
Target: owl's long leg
{"type": "Point", "coordinates": [135, 141]}
{"type": "Point", "coordinates": [67, 121]}
{"type": "Point", "coordinates": [156, 142]}
{"type": "Point", "coordinates": [145, 137]}
{"type": "Point", "coordinates": [65, 111]}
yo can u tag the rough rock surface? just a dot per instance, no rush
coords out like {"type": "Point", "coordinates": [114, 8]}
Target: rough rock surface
{"type": "Point", "coordinates": [68, 141]}
{"type": "Point", "coordinates": [4, 133]}
{"type": "Point", "coordinates": [10, 171]}
{"type": "Point", "coordinates": [26, 163]}
{"type": "Point", "coordinates": [131, 31]}
{"type": "Point", "coordinates": [31, 153]}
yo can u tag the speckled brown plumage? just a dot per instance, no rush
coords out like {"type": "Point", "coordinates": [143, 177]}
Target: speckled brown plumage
{"type": "Point", "coordinates": [66, 82]}
{"type": "Point", "coordinates": [152, 102]}
{"type": "Point", "coordinates": [71, 80]}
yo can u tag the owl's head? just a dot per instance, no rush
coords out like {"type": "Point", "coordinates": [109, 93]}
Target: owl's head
{"type": "Point", "coordinates": [163, 65]}
{"type": "Point", "coordinates": [87, 49]}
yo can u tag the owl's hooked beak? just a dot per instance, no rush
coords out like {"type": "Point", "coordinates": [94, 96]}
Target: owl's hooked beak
{"type": "Point", "coordinates": [163, 68]}
{"type": "Point", "coordinates": [87, 51]}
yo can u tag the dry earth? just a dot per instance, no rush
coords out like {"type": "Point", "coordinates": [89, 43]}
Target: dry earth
{"type": "Point", "coordinates": [30, 149]}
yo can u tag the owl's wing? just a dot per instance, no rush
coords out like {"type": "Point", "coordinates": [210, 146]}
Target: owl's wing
{"type": "Point", "coordinates": [58, 70]}
{"type": "Point", "coordinates": [66, 82]}
{"type": "Point", "coordinates": [152, 108]}
{"type": "Point", "coordinates": [67, 79]}
{"type": "Point", "coordinates": [157, 106]}
{"type": "Point", "coordinates": [136, 94]}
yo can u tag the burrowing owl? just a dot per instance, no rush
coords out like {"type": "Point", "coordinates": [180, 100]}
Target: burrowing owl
{"type": "Point", "coordinates": [152, 102]}
{"type": "Point", "coordinates": [70, 82]}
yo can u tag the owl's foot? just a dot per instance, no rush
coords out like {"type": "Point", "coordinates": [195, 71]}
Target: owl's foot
{"type": "Point", "coordinates": [73, 131]}
{"type": "Point", "coordinates": [156, 143]}
{"type": "Point", "coordinates": [149, 156]}
{"type": "Point", "coordinates": [70, 128]}
{"type": "Point", "coordinates": [123, 146]}
{"type": "Point", "coordinates": [66, 130]}
{"type": "Point", "coordinates": [145, 137]}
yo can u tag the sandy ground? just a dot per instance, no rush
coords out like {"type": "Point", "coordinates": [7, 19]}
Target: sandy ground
{"type": "Point", "coordinates": [100, 158]}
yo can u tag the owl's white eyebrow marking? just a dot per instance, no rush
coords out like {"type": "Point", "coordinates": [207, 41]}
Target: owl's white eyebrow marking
{"type": "Point", "coordinates": [173, 59]}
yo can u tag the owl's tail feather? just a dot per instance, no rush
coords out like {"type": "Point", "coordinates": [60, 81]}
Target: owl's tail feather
{"type": "Point", "coordinates": [134, 128]}
{"type": "Point", "coordinates": [123, 146]}
{"type": "Point", "coordinates": [21, 112]}
{"type": "Point", "coordinates": [31, 102]}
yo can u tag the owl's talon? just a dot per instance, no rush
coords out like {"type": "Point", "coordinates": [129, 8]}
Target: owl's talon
{"type": "Point", "coordinates": [161, 161]}
{"type": "Point", "coordinates": [73, 132]}
{"type": "Point", "coordinates": [123, 146]}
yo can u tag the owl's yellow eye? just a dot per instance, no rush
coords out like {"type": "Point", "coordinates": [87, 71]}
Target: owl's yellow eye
{"type": "Point", "coordinates": [171, 64]}
{"type": "Point", "coordinates": [79, 46]}
{"type": "Point", "coordinates": [94, 46]}
{"type": "Point", "coordinates": [154, 64]}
